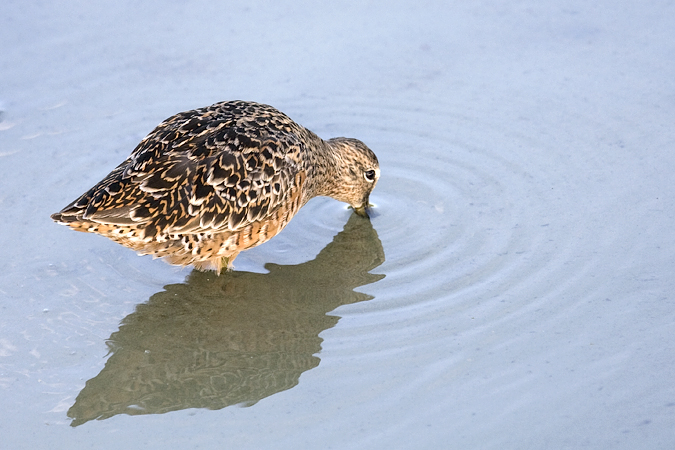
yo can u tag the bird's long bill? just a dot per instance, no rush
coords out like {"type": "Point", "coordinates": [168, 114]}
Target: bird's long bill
{"type": "Point", "coordinates": [363, 209]}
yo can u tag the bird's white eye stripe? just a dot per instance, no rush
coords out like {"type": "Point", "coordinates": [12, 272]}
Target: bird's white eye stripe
{"type": "Point", "coordinates": [370, 175]}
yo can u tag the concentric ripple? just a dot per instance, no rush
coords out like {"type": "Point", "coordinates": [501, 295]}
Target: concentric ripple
{"type": "Point", "coordinates": [473, 223]}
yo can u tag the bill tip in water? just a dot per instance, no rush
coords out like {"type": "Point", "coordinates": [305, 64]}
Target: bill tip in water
{"type": "Point", "coordinates": [362, 210]}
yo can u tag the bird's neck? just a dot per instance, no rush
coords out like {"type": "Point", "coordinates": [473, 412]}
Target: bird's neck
{"type": "Point", "coordinates": [323, 169]}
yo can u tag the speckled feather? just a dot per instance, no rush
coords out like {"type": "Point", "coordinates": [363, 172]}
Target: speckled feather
{"type": "Point", "coordinates": [208, 183]}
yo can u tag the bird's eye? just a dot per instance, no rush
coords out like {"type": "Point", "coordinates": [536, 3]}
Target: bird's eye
{"type": "Point", "coordinates": [370, 175]}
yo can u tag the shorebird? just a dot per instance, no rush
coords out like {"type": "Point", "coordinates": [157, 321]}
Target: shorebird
{"type": "Point", "coordinates": [209, 183]}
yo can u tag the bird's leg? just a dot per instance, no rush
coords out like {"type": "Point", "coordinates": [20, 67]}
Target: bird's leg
{"type": "Point", "coordinates": [226, 262]}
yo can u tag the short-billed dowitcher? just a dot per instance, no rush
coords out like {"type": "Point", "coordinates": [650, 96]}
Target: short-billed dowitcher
{"type": "Point", "coordinates": [208, 183]}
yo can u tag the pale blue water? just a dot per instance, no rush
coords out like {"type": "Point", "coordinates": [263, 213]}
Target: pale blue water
{"type": "Point", "coordinates": [521, 253]}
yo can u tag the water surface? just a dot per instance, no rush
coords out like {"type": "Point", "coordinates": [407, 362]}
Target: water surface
{"type": "Point", "coordinates": [513, 288]}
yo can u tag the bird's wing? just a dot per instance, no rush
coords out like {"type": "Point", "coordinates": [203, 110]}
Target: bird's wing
{"type": "Point", "coordinates": [192, 176]}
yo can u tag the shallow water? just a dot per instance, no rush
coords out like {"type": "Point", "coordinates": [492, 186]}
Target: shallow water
{"type": "Point", "coordinates": [513, 289]}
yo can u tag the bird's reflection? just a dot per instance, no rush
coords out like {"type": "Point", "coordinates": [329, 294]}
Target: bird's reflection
{"type": "Point", "coordinates": [232, 339]}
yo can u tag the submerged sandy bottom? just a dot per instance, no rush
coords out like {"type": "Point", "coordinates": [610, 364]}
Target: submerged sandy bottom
{"type": "Point", "coordinates": [513, 289]}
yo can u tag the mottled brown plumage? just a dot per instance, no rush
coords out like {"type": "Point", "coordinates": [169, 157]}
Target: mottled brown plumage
{"type": "Point", "coordinates": [208, 183]}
